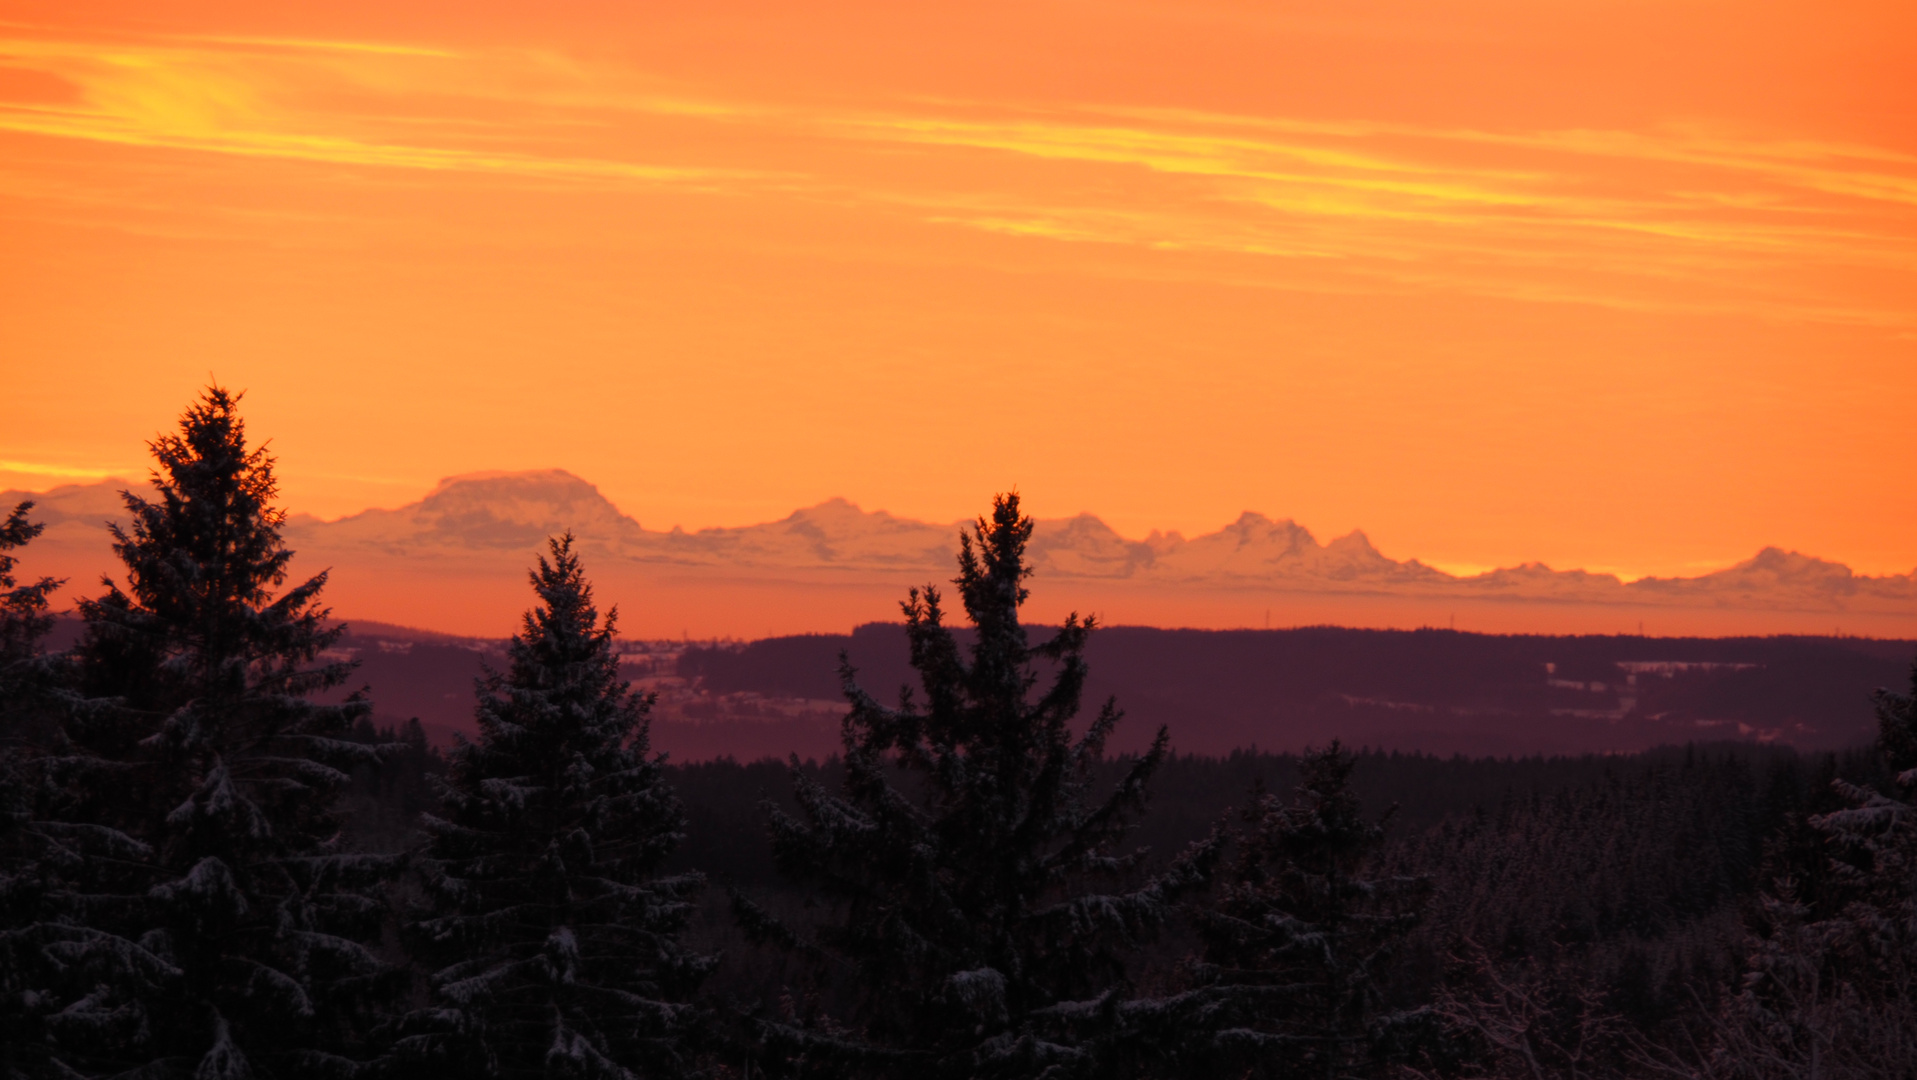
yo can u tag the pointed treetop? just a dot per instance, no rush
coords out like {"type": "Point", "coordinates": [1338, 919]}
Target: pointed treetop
{"type": "Point", "coordinates": [1323, 827]}
{"type": "Point", "coordinates": [1325, 782]}
{"type": "Point", "coordinates": [992, 574]}
{"type": "Point", "coordinates": [991, 585]}
{"type": "Point", "coordinates": [1897, 729]}
{"type": "Point", "coordinates": [565, 611]}
{"type": "Point", "coordinates": [211, 448]}
{"type": "Point", "coordinates": [23, 609]}
{"type": "Point", "coordinates": [213, 532]}
{"type": "Point", "coordinates": [15, 532]}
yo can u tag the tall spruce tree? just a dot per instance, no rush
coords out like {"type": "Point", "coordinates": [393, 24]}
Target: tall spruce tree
{"type": "Point", "coordinates": [1298, 943]}
{"type": "Point", "coordinates": [1897, 730]}
{"type": "Point", "coordinates": [28, 975]}
{"type": "Point", "coordinates": [24, 618]}
{"type": "Point", "coordinates": [195, 786]}
{"type": "Point", "coordinates": [1837, 996]}
{"type": "Point", "coordinates": [553, 938]}
{"type": "Point", "coordinates": [26, 676]}
{"type": "Point", "coordinates": [967, 900]}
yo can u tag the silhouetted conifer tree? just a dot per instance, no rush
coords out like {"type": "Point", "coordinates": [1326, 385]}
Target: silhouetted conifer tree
{"type": "Point", "coordinates": [1837, 996]}
{"type": "Point", "coordinates": [1298, 944]}
{"type": "Point", "coordinates": [26, 676]}
{"type": "Point", "coordinates": [24, 619]}
{"type": "Point", "coordinates": [1897, 729]}
{"type": "Point", "coordinates": [554, 941]}
{"type": "Point", "coordinates": [29, 979]}
{"type": "Point", "coordinates": [965, 901]}
{"type": "Point", "coordinates": [211, 899]}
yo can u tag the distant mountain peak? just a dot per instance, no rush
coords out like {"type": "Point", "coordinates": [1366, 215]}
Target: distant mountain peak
{"type": "Point", "coordinates": [494, 522]}
{"type": "Point", "coordinates": [90, 503]}
{"type": "Point", "coordinates": [838, 508]}
{"type": "Point", "coordinates": [496, 482]}
{"type": "Point", "coordinates": [485, 510]}
{"type": "Point", "coordinates": [1355, 542]}
{"type": "Point", "coordinates": [1253, 521]}
{"type": "Point", "coordinates": [835, 504]}
{"type": "Point", "coordinates": [1776, 560]}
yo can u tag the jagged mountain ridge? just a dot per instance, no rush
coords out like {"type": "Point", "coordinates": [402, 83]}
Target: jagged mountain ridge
{"type": "Point", "coordinates": [506, 515]}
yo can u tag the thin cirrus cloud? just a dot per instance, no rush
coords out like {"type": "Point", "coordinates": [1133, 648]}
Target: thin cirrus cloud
{"type": "Point", "coordinates": [1778, 204]}
{"type": "Point", "coordinates": [186, 98]}
{"type": "Point", "coordinates": [1615, 216]}
{"type": "Point", "coordinates": [53, 471]}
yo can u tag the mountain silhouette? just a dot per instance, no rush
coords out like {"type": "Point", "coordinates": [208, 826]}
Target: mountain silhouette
{"type": "Point", "coordinates": [491, 510]}
{"type": "Point", "coordinates": [479, 531]}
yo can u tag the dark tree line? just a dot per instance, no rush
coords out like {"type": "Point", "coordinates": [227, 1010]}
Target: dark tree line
{"type": "Point", "coordinates": [208, 871]}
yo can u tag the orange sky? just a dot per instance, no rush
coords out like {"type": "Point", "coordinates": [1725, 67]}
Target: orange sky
{"type": "Point", "coordinates": [1615, 284]}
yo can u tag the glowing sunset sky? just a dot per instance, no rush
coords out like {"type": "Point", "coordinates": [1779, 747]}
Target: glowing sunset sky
{"type": "Point", "coordinates": [1615, 284]}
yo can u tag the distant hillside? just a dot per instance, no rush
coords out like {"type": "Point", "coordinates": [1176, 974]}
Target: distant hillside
{"type": "Point", "coordinates": [1433, 691]}
{"type": "Point", "coordinates": [1430, 690]}
{"type": "Point", "coordinates": [457, 559]}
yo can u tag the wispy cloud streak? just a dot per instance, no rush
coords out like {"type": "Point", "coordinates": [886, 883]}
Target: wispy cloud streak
{"type": "Point", "coordinates": [1615, 217]}
{"type": "Point", "coordinates": [61, 472]}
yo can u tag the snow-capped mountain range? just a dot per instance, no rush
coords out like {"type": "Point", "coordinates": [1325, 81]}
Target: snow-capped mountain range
{"type": "Point", "coordinates": [487, 523]}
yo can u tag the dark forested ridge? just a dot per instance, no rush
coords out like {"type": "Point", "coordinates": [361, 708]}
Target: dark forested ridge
{"type": "Point", "coordinates": [1434, 691]}
{"type": "Point", "coordinates": [1437, 691]}
{"type": "Point", "coordinates": [231, 850]}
